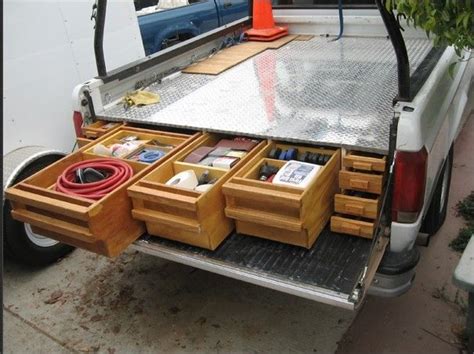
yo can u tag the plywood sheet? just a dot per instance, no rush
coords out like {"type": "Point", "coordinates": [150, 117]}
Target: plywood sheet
{"type": "Point", "coordinates": [232, 56]}
{"type": "Point", "coordinates": [304, 37]}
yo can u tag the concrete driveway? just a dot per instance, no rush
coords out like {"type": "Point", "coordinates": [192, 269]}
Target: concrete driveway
{"type": "Point", "coordinates": [138, 303]}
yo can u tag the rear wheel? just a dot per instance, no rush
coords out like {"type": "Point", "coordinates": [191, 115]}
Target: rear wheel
{"type": "Point", "coordinates": [437, 211]}
{"type": "Point", "coordinates": [21, 243]}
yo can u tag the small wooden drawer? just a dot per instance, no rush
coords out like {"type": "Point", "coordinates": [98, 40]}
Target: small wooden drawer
{"type": "Point", "coordinates": [99, 128]}
{"type": "Point", "coordinates": [345, 225]}
{"type": "Point", "coordinates": [103, 226]}
{"type": "Point", "coordinates": [357, 204]}
{"type": "Point", "coordinates": [363, 182]}
{"type": "Point", "coordinates": [184, 215]}
{"type": "Point", "coordinates": [283, 213]}
{"type": "Point", "coordinates": [362, 161]}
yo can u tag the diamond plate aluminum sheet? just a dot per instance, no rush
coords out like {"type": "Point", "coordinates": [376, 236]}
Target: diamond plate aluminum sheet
{"type": "Point", "coordinates": [320, 92]}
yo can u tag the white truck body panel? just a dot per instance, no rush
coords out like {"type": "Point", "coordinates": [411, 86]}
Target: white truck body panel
{"type": "Point", "coordinates": [48, 50]}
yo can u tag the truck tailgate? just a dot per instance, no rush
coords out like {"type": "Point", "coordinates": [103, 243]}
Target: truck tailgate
{"type": "Point", "coordinates": [329, 272]}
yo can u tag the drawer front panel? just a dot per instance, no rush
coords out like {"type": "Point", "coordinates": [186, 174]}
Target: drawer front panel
{"type": "Point", "coordinates": [356, 206]}
{"type": "Point", "coordinates": [361, 182]}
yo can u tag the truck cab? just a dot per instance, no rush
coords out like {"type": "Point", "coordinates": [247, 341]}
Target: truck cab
{"type": "Point", "coordinates": [170, 22]}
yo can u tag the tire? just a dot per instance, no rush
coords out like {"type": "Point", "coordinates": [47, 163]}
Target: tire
{"type": "Point", "coordinates": [18, 245]}
{"type": "Point", "coordinates": [436, 214]}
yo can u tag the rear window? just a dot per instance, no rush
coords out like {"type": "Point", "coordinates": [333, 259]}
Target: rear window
{"type": "Point", "coordinates": [325, 3]}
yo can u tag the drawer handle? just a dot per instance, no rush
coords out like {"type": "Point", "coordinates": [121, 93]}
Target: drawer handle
{"type": "Point", "coordinates": [359, 184]}
{"type": "Point", "coordinates": [350, 228]}
{"type": "Point", "coordinates": [366, 166]}
{"type": "Point", "coordinates": [354, 209]}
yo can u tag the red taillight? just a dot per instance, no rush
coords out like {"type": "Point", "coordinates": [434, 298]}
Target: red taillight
{"type": "Point", "coordinates": [77, 119]}
{"type": "Point", "coordinates": [409, 185]}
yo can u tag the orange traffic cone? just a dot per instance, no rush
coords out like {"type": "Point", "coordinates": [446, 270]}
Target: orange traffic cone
{"type": "Point", "coordinates": [264, 28]}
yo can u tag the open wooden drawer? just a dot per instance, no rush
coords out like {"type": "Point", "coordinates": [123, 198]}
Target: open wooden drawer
{"type": "Point", "coordinates": [99, 128]}
{"type": "Point", "coordinates": [95, 130]}
{"type": "Point", "coordinates": [105, 226]}
{"type": "Point", "coordinates": [283, 213]}
{"type": "Point", "coordinates": [185, 215]}
{"type": "Point", "coordinates": [352, 226]}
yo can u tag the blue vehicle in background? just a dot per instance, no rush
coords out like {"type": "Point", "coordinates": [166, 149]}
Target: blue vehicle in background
{"type": "Point", "coordinates": [169, 22]}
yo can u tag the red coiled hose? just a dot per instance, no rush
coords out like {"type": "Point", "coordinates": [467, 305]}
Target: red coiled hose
{"type": "Point", "coordinates": [117, 173]}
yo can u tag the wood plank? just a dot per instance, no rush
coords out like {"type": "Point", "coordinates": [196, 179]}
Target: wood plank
{"type": "Point", "coordinates": [162, 197]}
{"type": "Point", "coordinates": [47, 203]}
{"type": "Point", "coordinates": [264, 218]}
{"type": "Point", "coordinates": [304, 37]}
{"type": "Point", "coordinates": [270, 196]}
{"type": "Point", "coordinates": [154, 216]}
{"type": "Point", "coordinates": [352, 226]}
{"type": "Point", "coordinates": [53, 224]}
{"type": "Point", "coordinates": [229, 57]}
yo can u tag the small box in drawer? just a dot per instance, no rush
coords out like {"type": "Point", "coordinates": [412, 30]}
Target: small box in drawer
{"type": "Point", "coordinates": [278, 212]}
{"type": "Point", "coordinates": [363, 182]}
{"type": "Point", "coordinates": [103, 226]}
{"type": "Point", "coordinates": [362, 161]}
{"type": "Point", "coordinates": [346, 225]}
{"type": "Point", "coordinates": [185, 215]}
{"type": "Point", "coordinates": [357, 204]}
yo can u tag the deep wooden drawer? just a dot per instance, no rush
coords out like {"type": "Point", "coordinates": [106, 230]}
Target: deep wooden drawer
{"type": "Point", "coordinates": [366, 206]}
{"type": "Point", "coordinates": [103, 226]}
{"type": "Point", "coordinates": [188, 216]}
{"type": "Point", "coordinates": [282, 213]}
{"type": "Point", "coordinates": [350, 226]}
{"type": "Point", "coordinates": [365, 162]}
{"type": "Point", "coordinates": [362, 182]}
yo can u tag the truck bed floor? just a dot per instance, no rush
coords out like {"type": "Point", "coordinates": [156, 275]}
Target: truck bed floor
{"type": "Point", "coordinates": [315, 91]}
{"type": "Point", "coordinates": [328, 272]}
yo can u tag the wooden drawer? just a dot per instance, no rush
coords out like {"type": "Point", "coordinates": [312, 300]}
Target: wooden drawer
{"type": "Point", "coordinates": [103, 226]}
{"type": "Point", "coordinates": [357, 204]}
{"type": "Point", "coordinates": [365, 162]}
{"type": "Point", "coordinates": [99, 128]}
{"type": "Point", "coordinates": [181, 214]}
{"type": "Point", "coordinates": [345, 225]}
{"type": "Point", "coordinates": [362, 182]}
{"type": "Point", "coordinates": [282, 213]}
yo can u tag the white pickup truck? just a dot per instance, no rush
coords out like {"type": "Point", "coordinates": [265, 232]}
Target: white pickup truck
{"type": "Point", "coordinates": [373, 91]}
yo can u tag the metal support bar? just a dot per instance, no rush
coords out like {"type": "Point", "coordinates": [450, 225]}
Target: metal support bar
{"type": "Point", "coordinates": [99, 37]}
{"type": "Point", "coordinates": [398, 43]}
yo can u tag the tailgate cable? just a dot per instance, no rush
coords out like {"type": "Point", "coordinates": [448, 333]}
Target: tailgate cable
{"type": "Point", "coordinates": [341, 22]}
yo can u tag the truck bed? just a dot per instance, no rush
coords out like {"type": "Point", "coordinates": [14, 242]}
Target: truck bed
{"type": "Point", "coordinates": [316, 91]}
{"type": "Point", "coordinates": [328, 272]}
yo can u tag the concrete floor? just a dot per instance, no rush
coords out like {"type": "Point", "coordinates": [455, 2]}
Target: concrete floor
{"type": "Point", "coordinates": [138, 303]}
